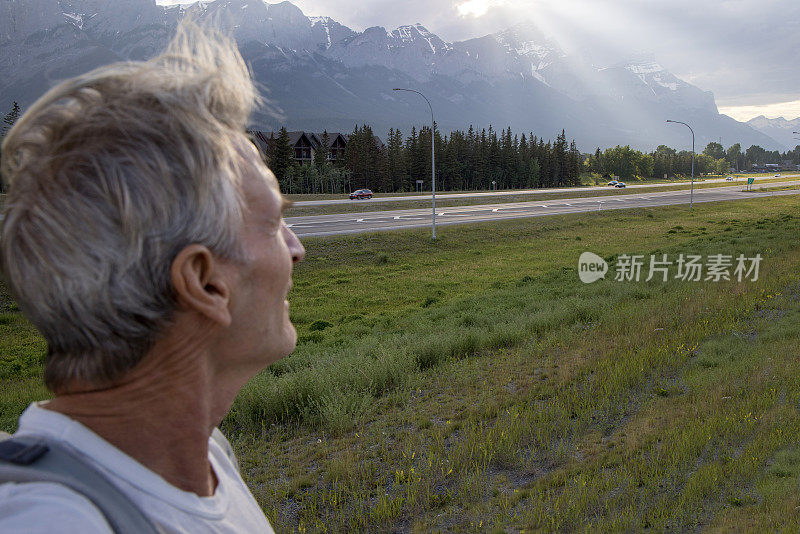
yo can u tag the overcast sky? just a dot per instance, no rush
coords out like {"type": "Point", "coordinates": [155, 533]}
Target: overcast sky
{"type": "Point", "coordinates": [746, 51]}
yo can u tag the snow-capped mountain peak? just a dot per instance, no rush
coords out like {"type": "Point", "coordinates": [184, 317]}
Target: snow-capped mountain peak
{"type": "Point", "coordinates": [763, 122]}
{"type": "Point", "coordinates": [652, 73]}
{"type": "Point", "coordinates": [645, 68]}
{"type": "Point", "coordinates": [779, 129]}
{"type": "Point", "coordinates": [76, 19]}
{"type": "Point", "coordinates": [415, 33]}
{"type": "Point", "coordinates": [319, 20]}
{"type": "Point", "coordinates": [525, 39]}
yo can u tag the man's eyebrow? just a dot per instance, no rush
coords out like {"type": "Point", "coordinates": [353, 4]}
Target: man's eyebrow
{"type": "Point", "coordinates": [286, 204]}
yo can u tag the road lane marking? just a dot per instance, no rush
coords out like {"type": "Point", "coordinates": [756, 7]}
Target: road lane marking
{"type": "Point", "coordinates": [304, 225]}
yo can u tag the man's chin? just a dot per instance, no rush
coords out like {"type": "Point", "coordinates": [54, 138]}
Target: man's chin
{"type": "Point", "coordinates": [291, 339]}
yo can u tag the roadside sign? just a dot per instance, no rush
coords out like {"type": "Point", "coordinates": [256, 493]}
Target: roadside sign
{"type": "Point", "coordinates": [750, 181]}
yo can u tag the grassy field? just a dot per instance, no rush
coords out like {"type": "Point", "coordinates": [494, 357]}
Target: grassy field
{"type": "Point", "coordinates": [362, 206]}
{"type": "Point", "coordinates": [475, 384]}
{"type": "Point", "coordinates": [779, 188]}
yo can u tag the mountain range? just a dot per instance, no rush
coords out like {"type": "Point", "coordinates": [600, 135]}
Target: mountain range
{"type": "Point", "coordinates": [779, 129]}
{"type": "Point", "coordinates": [319, 74]}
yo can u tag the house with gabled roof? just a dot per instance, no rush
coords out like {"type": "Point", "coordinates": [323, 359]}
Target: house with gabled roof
{"type": "Point", "coordinates": [306, 144]}
{"type": "Point", "coordinates": [337, 143]}
{"type": "Point", "coordinates": [303, 143]}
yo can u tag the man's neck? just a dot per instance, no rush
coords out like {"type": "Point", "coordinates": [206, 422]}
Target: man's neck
{"type": "Point", "coordinates": [161, 414]}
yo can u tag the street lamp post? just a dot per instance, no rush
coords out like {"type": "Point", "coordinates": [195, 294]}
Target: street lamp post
{"type": "Point", "coordinates": [433, 153]}
{"type": "Point", "coordinates": [691, 194]}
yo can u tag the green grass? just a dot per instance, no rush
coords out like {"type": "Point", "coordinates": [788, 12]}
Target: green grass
{"type": "Point", "coordinates": [778, 188]}
{"type": "Point", "coordinates": [521, 398]}
{"type": "Point", "coordinates": [22, 355]}
{"type": "Point", "coordinates": [474, 384]}
{"type": "Point", "coordinates": [366, 206]}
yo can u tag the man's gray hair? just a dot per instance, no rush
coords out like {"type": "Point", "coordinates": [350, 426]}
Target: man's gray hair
{"type": "Point", "coordinates": [110, 175]}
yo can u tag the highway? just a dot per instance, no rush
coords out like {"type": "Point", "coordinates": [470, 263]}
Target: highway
{"type": "Point", "coordinates": [484, 194]}
{"type": "Point", "coordinates": [352, 223]}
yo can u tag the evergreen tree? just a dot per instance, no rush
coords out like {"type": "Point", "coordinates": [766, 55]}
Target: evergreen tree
{"type": "Point", "coordinates": [10, 118]}
{"type": "Point", "coordinates": [424, 154]}
{"type": "Point", "coordinates": [395, 164]}
{"type": "Point", "coordinates": [534, 173]}
{"type": "Point", "coordinates": [574, 165]}
{"type": "Point", "coordinates": [560, 160]}
{"type": "Point", "coordinates": [596, 162]}
{"type": "Point", "coordinates": [269, 151]}
{"type": "Point", "coordinates": [8, 121]}
{"type": "Point", "coordinates": [472, 159]}
{"type": "Point", "coordinates": [282, 159]}
{"type": "Point", "coordinates": [508, 161]}
{"type": "Point", "coordinates": [446, 162]}
{"type": "Point", "coordinates": [324, 150]}
{"type": "Point", "coordinates": [366, 160]}
{"type": "Point", "coordinates": [495, 160]}
{"type": "Point", "coordinates": [413, 161]}
{"type": "Point", "coordinates": [523, 163]}
{"type": "Point", "coordinates": [482, 162]}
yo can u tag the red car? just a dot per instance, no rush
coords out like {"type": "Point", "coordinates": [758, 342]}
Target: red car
{"type": "Point", "coordinates": [361, 194]}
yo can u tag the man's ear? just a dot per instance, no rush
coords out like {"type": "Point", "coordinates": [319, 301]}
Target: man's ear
{"type": "Point", "coordinates": [200, 284]}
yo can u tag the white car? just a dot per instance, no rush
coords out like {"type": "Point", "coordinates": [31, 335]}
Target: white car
{"type": "Point", "coordinates": [613, 182]}
{"type": "Point", "coordinates": [620, 185]}
{"type": "Point", "coordinates": [778, 175]}
{"type": "Point", "coordinates": [729, 179]}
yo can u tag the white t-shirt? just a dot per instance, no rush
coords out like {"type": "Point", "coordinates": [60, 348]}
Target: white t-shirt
{"type": "Point", "coordinates": [35, 507]}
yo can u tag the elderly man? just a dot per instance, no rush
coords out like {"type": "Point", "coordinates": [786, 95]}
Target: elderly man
{"type": "Point", "coordinates": [143, 237]}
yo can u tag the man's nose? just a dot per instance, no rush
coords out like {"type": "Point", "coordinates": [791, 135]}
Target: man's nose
{"type": "Point", "coordinates": [296, 248]}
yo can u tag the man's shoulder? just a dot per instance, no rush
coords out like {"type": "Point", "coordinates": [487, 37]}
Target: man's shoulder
{"type": "Point", "coordinates": [47, 507]}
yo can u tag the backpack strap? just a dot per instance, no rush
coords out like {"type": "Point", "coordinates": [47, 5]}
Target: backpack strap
{"type": "Point", "coordinates": [32, 459]}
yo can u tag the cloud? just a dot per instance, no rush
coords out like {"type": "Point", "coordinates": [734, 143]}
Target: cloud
{"type": "Point", "coordinates": [745, 51]}
{"type": "Point", "coordinates": [788, 110]}
{"type": "Point", "coordinates": [477, 8]}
